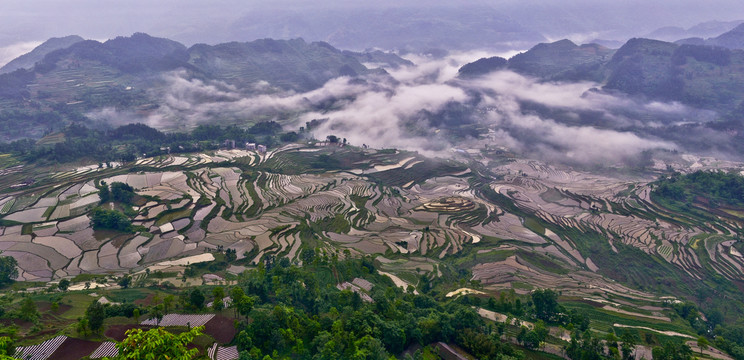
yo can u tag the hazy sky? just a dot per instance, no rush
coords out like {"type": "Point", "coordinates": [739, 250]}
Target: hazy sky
{"type": "Point", "coordinates": [24, 23]}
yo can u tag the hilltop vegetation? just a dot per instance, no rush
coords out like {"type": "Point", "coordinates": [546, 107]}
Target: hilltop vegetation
{"type": "Point", "coordinates": [129, 73]}
{"type": "Point", "coordinates": [702, 76]}
{"type": "Point", "coordinates": [28, 60]}
{"type": "Point", "coordinates": [715, 188]}
{"type": "Point", "coordinates": [126, 142]}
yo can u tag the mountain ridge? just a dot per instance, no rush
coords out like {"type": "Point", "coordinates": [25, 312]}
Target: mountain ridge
{"type": "Point", "coordinates": [28, 60]}
{"type": "Point", "coordinates": [131, 73]}
{"type": "Point", "coordinates": [696, 75]}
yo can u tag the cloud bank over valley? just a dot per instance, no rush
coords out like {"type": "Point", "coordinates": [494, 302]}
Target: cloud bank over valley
{"type": "Point", "coordinates": [427, 107]}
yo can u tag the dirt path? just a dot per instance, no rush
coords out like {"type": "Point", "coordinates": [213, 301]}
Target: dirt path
{"type": "Point", "coordinates": [397, 281]}
{"type": "Point", "coordinates": [620, 311]}
{"type": "Point", "coordinates": [668, 333]}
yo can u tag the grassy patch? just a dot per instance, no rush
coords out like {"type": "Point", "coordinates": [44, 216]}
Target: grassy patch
{"type": "Point", "coordinates": [552, 195]}
{"type": "Point", "coordinates": [472, 258]}
{"type": "Point", "coordinates": [534, 225]}
{"type": "Point", "coordinates": [23, 285]}
{"type": "Point", "coordinates": [603, 320]}
{"type": "Point", "coordinates": [7, 160]}
{"type": "Point", "coordinates": [127, 295]}
{"type": "Point", "coordinates": [79, 302]}
{"type": "Point", "coordinates": [88, 278]}
{"type": "Point", "coordinates": [52, 139]}
{"type": "Point", "coordinates": [543, 262]}
{"type": "Point", "coordinates": [521, 286]}
{"type": "Point", "coordinates": [7, 206]}
{"type": "Point", "coordinates": [171, 215]}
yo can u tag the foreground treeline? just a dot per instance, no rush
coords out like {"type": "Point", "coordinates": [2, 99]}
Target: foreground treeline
{"type": "Point", "coordinates": [298, 313]}
{"type": "Point", "coordinates": [283, 311]}
{"type": "Point", "coordinates": [128, 142]}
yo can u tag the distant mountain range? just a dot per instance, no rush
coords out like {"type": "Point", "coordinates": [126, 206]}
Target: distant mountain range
{"type": "Point", "coordinates": [143, 77]}
{"type": "Point", "coordinates": [733, 39]}
{"type": "Point", "coordinates": [27, 61]}
{"type": "Point", "coordinates": [703, 30]}
{"type": "Point", "coordinates": [708, 77]}
{"type": "Point", "coordinates": [125, 73]}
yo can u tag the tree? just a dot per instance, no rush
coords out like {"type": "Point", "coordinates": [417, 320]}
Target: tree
{"type": "Point", "coordinates": [63, 284]}
{"type": "Point", "coordinates": [110, 219]}
{"type": "Point", "coordinates": [6, 348]}
{"type": "Point", "coordinates": [82, 327]}
{"type": "Point", "coordinates": [289, 137]}
{"type": "Point", "coordinates": [245, 306]}
{"type": "Point", "coordinates": [158, 344]}
{"type": "Point", "coordinates": [628, 345]}
{"type": "Point", "coordinates": [8, 270]}
{"type": "Point", "coordinates": [95, 313]}
{"type": "Point", "coordinates": [307, 256]}
{"type": "Point", "coordinates": [702, 343]}
{"type": "Point", "coordinates": [125, 281]}
{"type": "Point", "coordinates": [196, 299]}
{"type": "Point", "coordinates": [218, 293]}
{"type": "Point", "coordinates": [167, 302]}
{"type": "Point", "coordinates": [546, 304]}
{"type": "Point", "coordinates": [531, 340]}
{"type": "Point", "coordinates": [244, 341]}
{"type": "Point", "coordinates": [28, 310]}
{"type": "Point", "coordinates": [231, 255]}
{"type": "Point", "coordinates": [104, 193]}
{"type": "Point", "coordinates": [672, 350]}
{"type": "Point", "coordinates": [237, 294]}
{"type": "Point", "coordinates": [157, 313]}
{"type": "Point", "coordinates": [122, 192]}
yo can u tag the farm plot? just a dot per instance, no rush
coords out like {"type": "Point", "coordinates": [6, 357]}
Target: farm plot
{"type": "Point", "coordinates": [63, 246]}
{"type": "Point", "coordinates": [6, 204]}
{"type": "Point", "coordinates": [129, 256]}
{"type": "Point", "coordinates": [28, 215]}
{"type": "Point", "coordinates": [75, 224]}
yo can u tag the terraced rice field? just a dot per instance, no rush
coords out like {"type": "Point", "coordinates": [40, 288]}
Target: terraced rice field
{"type": "Point", "coordinates": [416, 211]}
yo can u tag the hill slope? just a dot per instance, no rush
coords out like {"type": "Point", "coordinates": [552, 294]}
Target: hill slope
{"type": "Point", "coordinates": [131, 74]}
{"type": "Point", "coordinates": [706, 77]}
{"type": "Point", "coordinates": [27, 61]}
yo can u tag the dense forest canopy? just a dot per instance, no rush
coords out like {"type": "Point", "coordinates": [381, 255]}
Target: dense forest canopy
{"type": "Point", "coordinates": [716, 186]}
{"type": "Point", "coordinates": [127, 142]}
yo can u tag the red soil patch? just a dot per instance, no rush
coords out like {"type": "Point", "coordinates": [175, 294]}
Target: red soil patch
{"type": "Point", "coordinates": [221, 329]}
{"type": "Point", "coordinates": [147, 301]}
{"type": "Point", "coordinates": [74, 349]}
{"type": "Point", "coordinates": [44, 307]}
{"type": "Point", "coordinates": [23, 324]}
{"type": "Point", "coordinates": [118, 332]}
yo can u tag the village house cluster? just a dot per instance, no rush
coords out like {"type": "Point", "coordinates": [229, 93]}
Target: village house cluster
{"type": "Point", "coordinates": [231, 144]}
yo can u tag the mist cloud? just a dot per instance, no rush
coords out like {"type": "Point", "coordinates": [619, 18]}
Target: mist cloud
{"type": "Point", "coordinates": [394, 111]}
{"type": "Point", "coordinates": [380, 120]}
{"type": "Point", "coordinates": [12, 51]}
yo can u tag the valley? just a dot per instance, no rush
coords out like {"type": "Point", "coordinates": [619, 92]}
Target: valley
{"type": "Point", "coordinates": [305, 202]}
{"type": "Point", "coordinates": [513, 224]}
